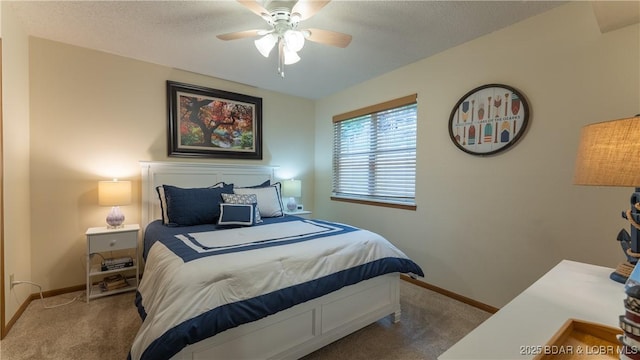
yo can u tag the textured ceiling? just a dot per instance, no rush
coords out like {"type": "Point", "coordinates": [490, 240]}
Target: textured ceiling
{"type": "Point", "coordinates": [182, 34]}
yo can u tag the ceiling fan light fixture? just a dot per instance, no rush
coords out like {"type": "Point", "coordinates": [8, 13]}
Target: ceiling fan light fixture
{"type": "Point", "coordinates": [295, 18]}
{"type": "Point", "coordinates": [284, 18]}
{"type": "Point", "coordinates": [265, 44]}
{"type": "Point", "coordinates": [294, 40]}
{"type": "Point", "coordinates": [290, 57]}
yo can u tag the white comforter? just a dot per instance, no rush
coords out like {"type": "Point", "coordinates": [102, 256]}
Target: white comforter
{"type": "Point", "coordinates": [246, 263]}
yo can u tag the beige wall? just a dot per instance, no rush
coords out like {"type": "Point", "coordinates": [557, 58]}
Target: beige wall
{"type": "Point", "coordinates": [485, 227]}
{"type": "Point", "coordinates": [94, 116]}
{"type": "Point", "coordinates": [488, 227]}
{"type": "Point", "coordinates": [16, 174]}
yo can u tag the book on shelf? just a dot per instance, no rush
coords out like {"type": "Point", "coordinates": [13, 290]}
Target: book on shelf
{"type": "Point", "coordinates": [118, 263]}
{"type": "Point", "coordinates": [113, 282]}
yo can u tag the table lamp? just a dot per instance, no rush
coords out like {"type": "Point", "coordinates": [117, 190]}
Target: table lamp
{"type": "Point", "coordinates": [114, 193]}
{"type": "Point", "coordinates": [292, 189]}
{"type": "Point", "coordinates": [609, 155]}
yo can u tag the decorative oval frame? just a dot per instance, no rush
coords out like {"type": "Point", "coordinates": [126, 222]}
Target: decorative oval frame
{"type": "Point", "coordinates": [504, 124]}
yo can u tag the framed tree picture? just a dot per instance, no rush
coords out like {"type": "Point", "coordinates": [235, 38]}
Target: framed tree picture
{"type": "Point", "coordinates": [212, 123]}
{"type": "Point", "coordinates": [488, 119]}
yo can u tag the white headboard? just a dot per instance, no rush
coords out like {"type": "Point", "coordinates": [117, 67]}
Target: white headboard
{"type": "Point", "coordinates": [187, 175]}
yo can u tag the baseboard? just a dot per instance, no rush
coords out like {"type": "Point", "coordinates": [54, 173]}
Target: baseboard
{"type": "Point", "coordinates": [450, 294]}
{"type": "Point", "coordinates": [439, 290]}
{"type": "Point", "coordinates": [57, 292]}
{"type": "Point", "coordinates": [16, 316]}
{"type": "Point", "coordinates": [35, 296]}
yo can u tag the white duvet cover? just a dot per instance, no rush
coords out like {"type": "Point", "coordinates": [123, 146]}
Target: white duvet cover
{"type": "Point", "coordinates": [199, 284]}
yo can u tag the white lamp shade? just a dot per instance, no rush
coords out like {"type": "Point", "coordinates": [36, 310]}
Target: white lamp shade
{"type": "Point", "coordinates": [292, 188]}
{"type": "Point", "coordinates": [114, 193]}
{"type": "Point", "coordinates": [290, 57]}
{"type": "Point", "coordinates": [294, 40]}
{"type": "Point", "coordinates": [609, 154]}
{"type": "Point", "coordinates": [265, 44]}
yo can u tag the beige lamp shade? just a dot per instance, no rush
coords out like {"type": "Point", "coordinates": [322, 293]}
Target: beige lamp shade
{"type": "Point", "coordinates": [609, 154]}
{"type": "Point", "coordinates": [114, 193]}
{"type": "Point", "coordinates": [292, 188]}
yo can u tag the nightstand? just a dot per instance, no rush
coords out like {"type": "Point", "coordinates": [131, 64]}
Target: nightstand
{"type": "Point", "coordinates": [104, 240]}
{"type": "Point", "coordinates": [302, 213]}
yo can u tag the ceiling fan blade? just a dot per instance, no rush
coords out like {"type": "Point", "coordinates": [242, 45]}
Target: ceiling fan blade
{"type": "Point", "coordinates": [308, 8]}
{"type": "Point", "coordinates": [254, 7]}
{"type": "Point", "coordinates": [328, 37]}
{"type": "Point", "coordinates": [241, 34]}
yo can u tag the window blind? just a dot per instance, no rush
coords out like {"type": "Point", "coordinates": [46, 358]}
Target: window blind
{"type": "Point", "coordinates": [374, 153]}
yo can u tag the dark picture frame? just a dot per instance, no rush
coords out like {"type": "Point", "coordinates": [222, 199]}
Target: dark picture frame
{"type": "Point", "coordinates": [489, 119]}
{"type": "Point", "coordinates": [211, 123]}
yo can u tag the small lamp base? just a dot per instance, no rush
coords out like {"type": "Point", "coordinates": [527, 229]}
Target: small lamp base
{"type": "Point", "coordinates": [291, 205]}
{"type": "Point", "coordinates": [115, 218]}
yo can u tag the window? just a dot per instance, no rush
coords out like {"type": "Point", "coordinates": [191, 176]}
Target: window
{"type": "Point", "coordinates": [374, 154]}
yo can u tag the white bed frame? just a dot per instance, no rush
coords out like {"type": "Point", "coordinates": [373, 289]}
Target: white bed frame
{"type": "Point", "coordinates": [289, 334]}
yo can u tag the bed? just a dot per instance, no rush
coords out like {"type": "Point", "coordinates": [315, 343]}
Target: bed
{"type": "Point", "coordinates": [252, 287]}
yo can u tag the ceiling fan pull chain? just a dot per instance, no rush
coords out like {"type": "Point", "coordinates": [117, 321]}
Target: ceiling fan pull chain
{"type": "Point", "coordinates": [280, 57]}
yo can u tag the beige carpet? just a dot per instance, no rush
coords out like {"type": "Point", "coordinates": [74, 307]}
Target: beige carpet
{"type": "Point", "coordinates": [105, 328]}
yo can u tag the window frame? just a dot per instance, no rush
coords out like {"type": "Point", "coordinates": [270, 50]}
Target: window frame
{"type": "Point", "coordinates": [370, 110]}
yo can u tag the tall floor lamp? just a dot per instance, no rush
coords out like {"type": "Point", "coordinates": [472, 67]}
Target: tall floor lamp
{"type": "Point", "coordinates": [609, 155]}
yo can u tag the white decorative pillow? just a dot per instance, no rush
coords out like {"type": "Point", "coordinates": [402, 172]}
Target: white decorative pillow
{"type": "Point", "coordinates": [243, 199]}
{"type": "Point", "coordinates": [163, 204]}
{"type": "Point", "coordinates": [269, 200]}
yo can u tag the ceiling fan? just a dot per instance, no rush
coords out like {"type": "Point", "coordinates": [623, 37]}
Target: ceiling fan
{"type": "Point", "coordinates": [284, 18]}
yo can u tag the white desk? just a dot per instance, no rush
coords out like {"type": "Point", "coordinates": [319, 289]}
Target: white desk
{"type": "Point", "coordinates": [569, 290]}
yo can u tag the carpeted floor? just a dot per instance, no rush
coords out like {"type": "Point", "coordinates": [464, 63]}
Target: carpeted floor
{"type": "Point", "coordinates": [105, 328]}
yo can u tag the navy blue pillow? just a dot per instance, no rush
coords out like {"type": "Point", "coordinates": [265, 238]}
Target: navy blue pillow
{"type": "Point", "coordinates": [237, 214]}
{"type": "Point", "coordinates": [194, 206]}
{"type": "Point", "coordinates": [265, 183]}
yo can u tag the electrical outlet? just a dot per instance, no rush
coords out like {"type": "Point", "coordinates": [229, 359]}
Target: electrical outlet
{"type": "Point", "coordinates": [11, 278]}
